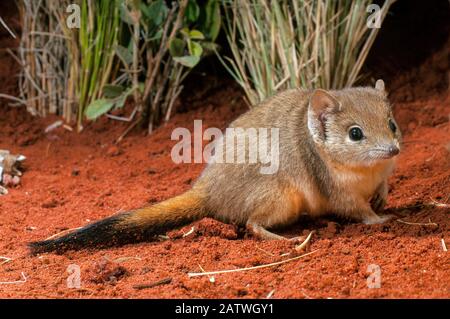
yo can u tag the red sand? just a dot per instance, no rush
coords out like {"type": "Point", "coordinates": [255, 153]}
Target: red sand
{"type": "Point", "coordinates": [71, 179]}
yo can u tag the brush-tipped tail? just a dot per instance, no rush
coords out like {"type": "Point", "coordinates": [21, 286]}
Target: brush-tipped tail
{"type": "Point", "coordinates": [132, 227]}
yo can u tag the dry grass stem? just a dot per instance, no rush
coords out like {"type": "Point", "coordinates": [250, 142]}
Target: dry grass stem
{"type": "Point", "coordinates": [23, 280]}
{"type": "Point", "coordinates": [193, 274]}
{"type": "Point", "coordinates": [62, 233]}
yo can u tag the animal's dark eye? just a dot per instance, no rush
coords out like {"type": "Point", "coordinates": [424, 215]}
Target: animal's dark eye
{"type": "Point", "coordinates": [355, 134]}
{"type": "Point", "coordinates": [392, 126]}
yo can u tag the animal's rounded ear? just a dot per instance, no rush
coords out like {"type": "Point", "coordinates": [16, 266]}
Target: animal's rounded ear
{"type": "Point", "coordinates": [322, 101]}
{"type": "Point", "coordinates": [321, 105]}
{"type": "Point", "coordinates": [379, 86]}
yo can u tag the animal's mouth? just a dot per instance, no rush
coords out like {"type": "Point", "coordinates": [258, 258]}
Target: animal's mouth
{"type": "Point", "coordinates": [384, 153]}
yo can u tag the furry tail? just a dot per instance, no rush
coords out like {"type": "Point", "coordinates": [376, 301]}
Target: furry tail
{"type": "Point", "coordinates": [131, 227]}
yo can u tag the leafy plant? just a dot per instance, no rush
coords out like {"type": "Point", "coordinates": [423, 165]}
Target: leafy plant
{"type": "Point", "coordinates": [98, 35]}
{"type": "Point", "coordinates": [164, 43]}
{"type": "Point", "coordinates": [114, 96]}
{"type": "Point", "coordinates": [65, 68]}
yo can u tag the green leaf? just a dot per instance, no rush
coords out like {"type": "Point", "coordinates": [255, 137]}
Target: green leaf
{"type": "Point", "coordinates": [189, 60]}
{"type": "Point", "coordinates": [141, 86]}
{"type": "Point", "coordinates": [195, 34]}
{"type": "Point", "coordinates": [124, 54]}
{"type": "Point", "coordinates": [156, 12]}
{"type": "Point", "coordinates": [185, 32]}
{"type": "Point", "coordinates": [176, 47]}
{"type": "Point", "coordinates": [98, 108]}
{"type": "Point", "coordinates": [157, 36]}
{"type": "Point", "coordinates": [192, 11]}
{"type": "Point", "coordinates": [210, 20]}
{"type": "Point", "coordinates": [215, 20]}
{"type": "Point", "coordinates": [112, 91]}
{"type": "Point", "coordinates": [196, 49]}
{"type": "Point", "coordinates": [121, 101]}
{"type": "Point", "coordinates": [125, 13]}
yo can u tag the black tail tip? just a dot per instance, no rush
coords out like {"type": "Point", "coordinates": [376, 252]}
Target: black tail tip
{"type": "Point", "coordinates": [101, 234]}
{"type": "Point", "coordinates": [38, 247]}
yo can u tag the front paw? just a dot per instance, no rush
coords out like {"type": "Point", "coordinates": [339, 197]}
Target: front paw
{"type": "Point", "coordinates": [378, 219]}
{"type": "Point", "coordinates": [377, 203]}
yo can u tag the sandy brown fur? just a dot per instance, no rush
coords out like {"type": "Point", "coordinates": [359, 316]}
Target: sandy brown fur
{"type": "Point", "coordinates": [320, 172]}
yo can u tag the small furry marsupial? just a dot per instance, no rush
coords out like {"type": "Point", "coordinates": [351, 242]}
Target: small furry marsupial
{"type": "Point", "coordinates": [336, 152]}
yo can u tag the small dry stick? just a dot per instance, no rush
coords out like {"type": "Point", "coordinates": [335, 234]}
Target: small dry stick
{"type": "Point", "coordinates": [164, 281]}
{"type": "Point", "coordinates": [444, 246]}
{"type": "Point", "coordinates": [211, 278]}
{"type": "Point", "coordinates": [7, 28]}
{"type": "Point", "coordinates": [163, 237]}
{"type": "Point", "coordinates": [189, 232]}
{"type": "Point", "coordinates": [24, 279]}
{"type": "Point", "coordinates": [196, 274]}
{"type": "Point", "coordinates": [5, 260]}
{"type": "Point", "coordinates": [418, 224]}
{"type": "Point", "coordinates": [62, 233]}
{"type": "Point", "coordinates": [270, 294]}
{"type": "Point", "coordinates": [305, 242]}
{"type": "Point", "coordinates": [437, 204]}
{"type": "Point", "coordinates": [68, 127]}
{"type": "Point", "coordinates": [128, 130]}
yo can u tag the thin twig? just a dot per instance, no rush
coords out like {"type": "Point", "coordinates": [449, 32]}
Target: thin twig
{"type": "Point", "coordinates": [62, 233]}
{"type": "Point", "coordinates": [194, 274]}
{"type": "Point", "coordinates": [164, 281]}
{"type": "Point", "coordinates": [418, 224]}
{"type": "Point", "coordinates": [438, 204]}
{"type": "Point", "coordinates": [189, 232]}
{"type": "Point", "coordinates": [5, 260]}
{"type": "Point", "coordinates": [270, 294]}
{"type": "Point", "coordinates": [211, 278]}
{"type": "Point", "coordinates": [24, 279]}
{"type": "Point", "coordinates": [10, 97]}
{"type": "Point", "coordinates": [7, 28]}
{"type": "Point", "coordinates": [122, 118]}
{"type": "Point", "coordinates": [444, 246]}
{"type": "Point", "coordinates": [128, 130]}
{"type": "Point", "coordinates": [305, 242]}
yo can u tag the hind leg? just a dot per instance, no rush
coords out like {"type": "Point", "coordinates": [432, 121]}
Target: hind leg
{"type": "Point", "coordinates": [262, 233]}
{"type": "Point", "coordinates": [280, 211]}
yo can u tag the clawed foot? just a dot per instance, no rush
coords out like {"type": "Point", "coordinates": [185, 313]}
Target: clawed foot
{"type": "Point", "coordinates": [263, 233]}
{"type": "Point", "coordinates": [378, 219]}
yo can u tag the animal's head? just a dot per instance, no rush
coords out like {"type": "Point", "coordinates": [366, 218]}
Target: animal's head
{"type": "Point", "coordinates": [354, 126]}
